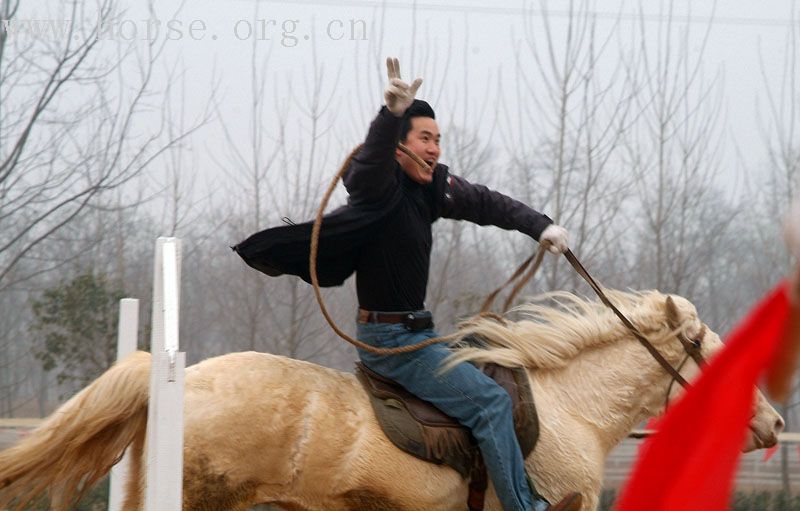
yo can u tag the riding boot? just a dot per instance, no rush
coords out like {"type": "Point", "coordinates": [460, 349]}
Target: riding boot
{"type": "Point", "coordinates": [571, 502]}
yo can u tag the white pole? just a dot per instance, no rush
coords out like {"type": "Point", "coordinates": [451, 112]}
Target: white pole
{"type": "Point", "coordinates": [127, 333]}
{"type": "Point", "coordinates": [165, 413]}
{"type": "Point", "coordinates": [171, 298]}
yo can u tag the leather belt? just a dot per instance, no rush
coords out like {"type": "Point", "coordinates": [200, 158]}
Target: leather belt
{"type": "Point", "coordinates": [365, 316]}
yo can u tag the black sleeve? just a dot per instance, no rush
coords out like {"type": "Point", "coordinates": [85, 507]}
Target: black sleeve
{"type": "Point", "coordinates": [371, 177]}
{"type": "Point", "coordinates": [462, 200]}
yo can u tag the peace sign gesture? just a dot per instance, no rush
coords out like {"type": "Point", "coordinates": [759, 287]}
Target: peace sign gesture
{"type": "Point", "coordinates": [398, 94]}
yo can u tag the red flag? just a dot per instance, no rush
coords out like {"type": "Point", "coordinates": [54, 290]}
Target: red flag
{"type": "Point", "coordinates": [652, 424]}
{"type": "Point", "coordinates": [769, 453]}
{"type": "Point", "coordinates": [689, 464]}
{"type": "Point", "coordinates": [650, 427]}
{"type": "Point", "coordinates": [778, 381]}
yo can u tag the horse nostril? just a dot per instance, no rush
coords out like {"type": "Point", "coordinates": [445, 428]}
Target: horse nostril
{"type": "Point", "coordinates": [779, 424]}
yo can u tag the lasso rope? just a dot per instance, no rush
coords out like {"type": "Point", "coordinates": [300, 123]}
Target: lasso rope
{"type": "Point", "coordinates": [534, 262]}
{"type": "Point", "coordinates": [312, 266]}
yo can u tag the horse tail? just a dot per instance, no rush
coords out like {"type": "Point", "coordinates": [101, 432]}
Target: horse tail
{"type": "Point", "coordinates": [78, 444]}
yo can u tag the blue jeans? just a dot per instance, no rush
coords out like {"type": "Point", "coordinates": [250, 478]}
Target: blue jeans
{"type": "Point", "coordinates": [464, 393]}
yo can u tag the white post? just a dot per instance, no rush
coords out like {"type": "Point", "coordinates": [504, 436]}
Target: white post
{"type": "Point", "coordinates": [164, 489]}
{"type": "Point", "coordinates": [127, 333]}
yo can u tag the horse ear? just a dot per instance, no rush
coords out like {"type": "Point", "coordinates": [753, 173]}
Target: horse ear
{"type": "Point", "coordinates": [673, 316]}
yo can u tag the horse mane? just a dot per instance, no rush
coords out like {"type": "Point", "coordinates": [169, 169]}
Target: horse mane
{"type": "Point", "coordinates": [555, 327]}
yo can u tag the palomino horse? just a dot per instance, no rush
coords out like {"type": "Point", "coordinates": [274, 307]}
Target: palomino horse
{"type": "Point", "coordinates": [263, 428]}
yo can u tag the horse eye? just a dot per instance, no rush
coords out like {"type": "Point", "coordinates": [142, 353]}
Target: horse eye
{"type": "Point", "coordinates": [697, 344]}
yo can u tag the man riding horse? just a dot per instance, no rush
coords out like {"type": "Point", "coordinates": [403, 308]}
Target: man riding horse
{"type": "Point", "coordinates": [384, 236]}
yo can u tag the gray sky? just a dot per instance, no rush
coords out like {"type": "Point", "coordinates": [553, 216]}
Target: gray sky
{"type": "Point", "coordinates": [468, 40]}
{"type": "Point", "coordinates": [743, 36]}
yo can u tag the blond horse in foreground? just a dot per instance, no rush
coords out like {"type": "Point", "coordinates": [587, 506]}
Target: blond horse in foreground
{"type": "Point", "coordinates": [261, 428]}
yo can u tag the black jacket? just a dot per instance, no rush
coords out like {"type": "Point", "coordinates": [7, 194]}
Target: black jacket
{"type": "Point", "coordinates": [383, 233]}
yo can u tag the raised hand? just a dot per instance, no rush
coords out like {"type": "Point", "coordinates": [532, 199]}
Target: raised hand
{"type": "Point", "coordinates": [398, 94]}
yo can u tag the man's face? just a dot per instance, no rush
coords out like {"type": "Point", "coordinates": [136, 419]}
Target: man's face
{"type": "Point", "coordinates": [423, 140]}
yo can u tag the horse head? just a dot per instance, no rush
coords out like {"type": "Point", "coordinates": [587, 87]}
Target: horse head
{"type": "Point", "coordinates": [765, 425]}
{"type": "Point", "coordinates": [766, 422]}
{"type": "Point", "coordinates": [580, 351]}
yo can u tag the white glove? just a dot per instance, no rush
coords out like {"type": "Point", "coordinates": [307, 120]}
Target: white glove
{"type": "Point", "coordinates": [555, 239]}
{"type": "Point", "coordinates": [398, 94]}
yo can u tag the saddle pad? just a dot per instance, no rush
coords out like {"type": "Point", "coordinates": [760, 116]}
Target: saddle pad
{"type": "Point", "coordinates": [421, 410]}
{"type": "Point", "coordinates": [420, 429]}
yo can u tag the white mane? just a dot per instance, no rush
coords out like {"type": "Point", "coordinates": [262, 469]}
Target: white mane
{"type": "Point", "coordinates": [555, 327]}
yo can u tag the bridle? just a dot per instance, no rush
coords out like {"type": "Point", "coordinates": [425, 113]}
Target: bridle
{"type": "Point", "coordinates": [691, 347]}
{"type": "Point", "coordinates": [693, 350]}
{"type": "Point", "coordinates": [523, 274]}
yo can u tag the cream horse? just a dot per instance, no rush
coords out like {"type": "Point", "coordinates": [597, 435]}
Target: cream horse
{"type": "Point", "coordinates": [261, 428]}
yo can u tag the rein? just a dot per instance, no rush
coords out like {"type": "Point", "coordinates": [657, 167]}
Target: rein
{"type": "Point", "coordinates": [692, 348]}
{"type": "Point", "coordinates": [534, 261]}
{"type": "Point", "coordinates": [532, 264]}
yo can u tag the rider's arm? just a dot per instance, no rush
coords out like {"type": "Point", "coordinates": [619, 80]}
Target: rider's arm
{"type": "Point", "coordinates": [371, 176]}
{"type": "Point", "coordinates": [462, 200]}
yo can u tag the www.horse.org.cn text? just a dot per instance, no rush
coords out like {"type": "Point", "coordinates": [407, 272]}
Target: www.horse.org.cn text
{"type": "Point", "coordinates": [285, 32]}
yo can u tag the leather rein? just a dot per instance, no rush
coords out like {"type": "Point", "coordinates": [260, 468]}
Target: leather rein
{"type": "Point", "coordinates": [692, 347]}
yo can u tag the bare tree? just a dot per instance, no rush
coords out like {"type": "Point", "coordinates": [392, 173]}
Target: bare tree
{"type": "Point", "coordinates": [277, 180]}
{"type": "Point", "coordinates": [565, 130]}
{"type": "Point", "coordinates": [70, 137]}
{"type": "Point", "coordinates": [67, 133]}
{"type": "Point", "coordinates": [674, 156]}
{"type": "Point", "coordinates": [780, 129]}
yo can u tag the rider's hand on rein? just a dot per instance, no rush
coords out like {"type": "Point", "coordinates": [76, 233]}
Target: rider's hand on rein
{"type": "Point", "coordinates": [555, 239]}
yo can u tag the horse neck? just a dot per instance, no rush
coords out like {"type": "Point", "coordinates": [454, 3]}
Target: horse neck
{"type": "Point", "coordinates": [610, 388]}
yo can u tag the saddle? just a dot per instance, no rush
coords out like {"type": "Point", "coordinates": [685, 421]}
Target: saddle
{"type": "Point", "coordinates": [420, 429]}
